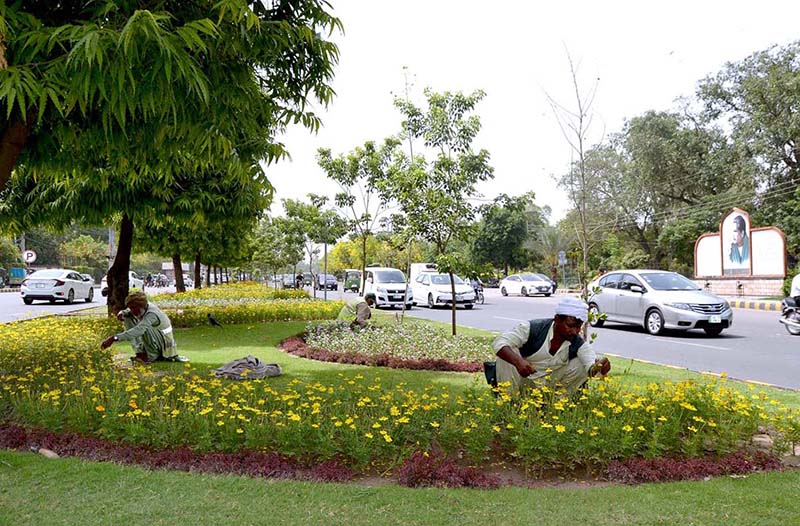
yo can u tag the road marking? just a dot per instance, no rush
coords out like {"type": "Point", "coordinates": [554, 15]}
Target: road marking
{"type": "Point", "coordinates": [511, 319]}
{"type": "Point", "coordinates": [692, 344]}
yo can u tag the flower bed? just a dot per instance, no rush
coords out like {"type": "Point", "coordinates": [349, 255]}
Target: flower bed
{"type": "Point", "coordinates": [64, 382]}
{"type": "Point", "coordinates": [248, 311]}
{"type": "Point", "coordinates": [410, 341]}
{"type": "Point", "coordinates": [233, 291]}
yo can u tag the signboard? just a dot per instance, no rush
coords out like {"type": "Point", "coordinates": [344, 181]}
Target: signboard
{"type": "Point", "coordinates": [16, 275]}
{"type": "Point", "coordinates": [740, 251]}
{"type": "Point", "coordinates": [29, 256]}
{"type": "Point", "coordinates": [562, 258]}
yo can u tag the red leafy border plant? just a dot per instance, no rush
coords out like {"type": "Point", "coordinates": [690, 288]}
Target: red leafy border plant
{"type": "Point", "coordinates": [297, 346]}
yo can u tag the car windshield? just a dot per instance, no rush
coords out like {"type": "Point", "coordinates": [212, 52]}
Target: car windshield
{"type": "Point", "coordinates": [444, 279]}
{"type": "Point", "coordinates": [530, 277]}
{"type": "Point", "coordinates": [668, 281]}
{"type": "Point", "coordinates": [390, 276]}
{"type": "Point", "coordinates": [46, 274]}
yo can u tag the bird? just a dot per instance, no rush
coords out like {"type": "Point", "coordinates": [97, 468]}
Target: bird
{"type": "Point", "coordinates": [213, 321]}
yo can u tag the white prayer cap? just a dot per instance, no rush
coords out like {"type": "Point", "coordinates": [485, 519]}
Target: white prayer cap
{"type": "Point", "coordinates": [573, 307]}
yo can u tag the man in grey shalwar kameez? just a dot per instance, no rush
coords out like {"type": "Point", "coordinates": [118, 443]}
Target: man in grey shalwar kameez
{"type": "Point", "coordinates": [147, 328]}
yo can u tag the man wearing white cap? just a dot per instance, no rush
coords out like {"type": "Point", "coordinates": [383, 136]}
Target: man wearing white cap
{"type": "Point", "coordinates": [551, 348]}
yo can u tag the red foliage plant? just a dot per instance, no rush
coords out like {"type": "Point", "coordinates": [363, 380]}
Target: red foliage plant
{"type": "Point", "coordinates": [637, 470]}
{"type": "Point", "coordinates": [436, 469]}
{"type": "Point", "coordinates": [248, 463]}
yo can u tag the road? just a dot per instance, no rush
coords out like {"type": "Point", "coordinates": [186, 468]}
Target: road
{"type": "Point", "coordinates": [756, 348]}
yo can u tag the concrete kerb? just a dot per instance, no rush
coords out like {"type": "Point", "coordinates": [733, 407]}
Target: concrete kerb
{"type": "Point", "coordinates": [743, 303]}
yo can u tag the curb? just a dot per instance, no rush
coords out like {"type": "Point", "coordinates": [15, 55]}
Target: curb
{"type": "Point", "coordinates": [757, 305]}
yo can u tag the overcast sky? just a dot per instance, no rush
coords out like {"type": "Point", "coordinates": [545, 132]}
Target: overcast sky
{"type": "Point", "coordinates": [644, 56]}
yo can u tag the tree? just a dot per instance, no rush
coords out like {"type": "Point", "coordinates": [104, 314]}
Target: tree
{"type": "Point", "coordinates": [275, 248]}
{"type": "Point", "coordinates": [757, 99]}
{"type": "Point", "coordinates": [575, 124]}
{"type": "Point", "coordinates": [84, 251]}
{"type": "Point", "coordinates": [156, 95]}
{"type": "Point", "coordinates": [358, 175]}
{"type": "Point", "coordinates": [501, 233]}
{"type": "Point", "coordinates": [434, 196]}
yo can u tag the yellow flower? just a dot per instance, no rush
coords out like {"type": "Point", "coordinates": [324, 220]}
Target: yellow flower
{"type": "Point", "coordinates": [627, 428]}
{"type": "Point", "coordinates": [100, 408]}
{"type": "Point", "coordinates": [368, 435]}
{"type": "Point", "coordinates": [239, 430]}
{"type": "Point", "coordinates": [560, 428]}
{"type": "Point", "coordinates": [434, 424]}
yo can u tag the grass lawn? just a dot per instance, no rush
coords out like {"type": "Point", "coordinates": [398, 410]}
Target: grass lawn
{"type": "Point", "coordinates": [38, 491]}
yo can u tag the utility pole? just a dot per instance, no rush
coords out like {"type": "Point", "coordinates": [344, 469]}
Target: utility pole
{"type": "Point", "coordinates": [407, 85]}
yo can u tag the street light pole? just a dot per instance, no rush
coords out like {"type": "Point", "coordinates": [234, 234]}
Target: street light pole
{"type": "Point", "coordinates": [325, 264]}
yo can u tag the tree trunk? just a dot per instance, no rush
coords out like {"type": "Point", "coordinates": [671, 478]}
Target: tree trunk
{"type": "Point", "coordinates": [15, 136]}
{"type": "Point", "coordinates": [118, 272]}
{"type": "Point", "coordinates": [363, 263]}
{"type": "Point", "coordinates": [198, 283]}
{"type": "Point", "coordinates": [176, 265]}
{"type": "Point", "coordinates": [208, 275]}
{"type": "Point", "coordinates": [453, 298]}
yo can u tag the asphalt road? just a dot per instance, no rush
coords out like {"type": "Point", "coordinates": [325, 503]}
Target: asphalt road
{"type": "Point", "coordinates": [755, 348]}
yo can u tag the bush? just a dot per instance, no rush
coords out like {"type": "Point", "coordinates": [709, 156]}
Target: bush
{"type": "Point", "coordinates": [251, 311]}
{"type": "Point", "coordinates": [229, 292]}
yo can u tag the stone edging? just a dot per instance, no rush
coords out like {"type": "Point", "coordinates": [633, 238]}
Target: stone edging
{"type": "Point", "coordinates": [770, 305]}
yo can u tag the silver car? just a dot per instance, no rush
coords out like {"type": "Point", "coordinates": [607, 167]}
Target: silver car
{"type": "Point", "coordinates": [657, 300]}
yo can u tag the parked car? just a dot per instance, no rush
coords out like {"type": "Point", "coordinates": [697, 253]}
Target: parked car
{"type": "Point", "coordinates": [389, 286]}
{"type": "Point", "coordinates": [89, 278]}
{"type": "Point", "coordinates": [308, 279]}
{"type": "Point", "coordinates": [134, 283]}
{"type": "Point", "coordinates": [434, 288]}
{"type": "Point", "coordinates": [326, 281]}
{"type": "Point", "coordinates": [525, 285]}
{"type": "Point", "coordinates": [544, 277]}
{"type": "Point", "coordinates": [658, 300]}
{"type": "Point", "coordinates": [56, 284]}
{"type": "Point", "coordinates": [288, 281]}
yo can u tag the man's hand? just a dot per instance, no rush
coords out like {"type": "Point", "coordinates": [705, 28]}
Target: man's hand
{"type": "Point", "coordinates": [108, 342]}
{"type": "Point", "coordinates": [601, 366]}
{"type": "Point", "coordinates": [525, 368]}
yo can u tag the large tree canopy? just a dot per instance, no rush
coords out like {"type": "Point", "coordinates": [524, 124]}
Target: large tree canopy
{"type": "Point", "coordinates": [121, 107]}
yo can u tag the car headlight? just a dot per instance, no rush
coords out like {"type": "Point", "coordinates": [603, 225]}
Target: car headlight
{"type": "Point", "coordinates": [682, 306]}
{"type": "Point", "coordinates": [381, 290]}
{"type": "Point", "coordinates": [725, 304]}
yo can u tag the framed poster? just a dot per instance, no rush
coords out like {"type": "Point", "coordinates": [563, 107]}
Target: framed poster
{"type": "Point", "coordinates": [736, 233]}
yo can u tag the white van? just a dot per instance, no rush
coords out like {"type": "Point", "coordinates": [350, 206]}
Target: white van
{"type": "Point", "coordinates": [418, 268]}
{"type": "Point", "coordinates": [389, 286]}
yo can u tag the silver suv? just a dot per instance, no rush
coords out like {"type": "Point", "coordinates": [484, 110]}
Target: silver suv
{"type": "Point", "coordinates": [657, 300]}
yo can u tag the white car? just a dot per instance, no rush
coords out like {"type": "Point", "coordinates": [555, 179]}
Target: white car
{"type": "Point", "coordinates": [389, 286]}
{"type": "Point", "coordinates": [434, 289]}
{"type": "Point", "coordinates": [134, 283]}
{"type": "Point", "coordinates": [525, 285]}
{"type": "Point", "coordinates": [56, 284]}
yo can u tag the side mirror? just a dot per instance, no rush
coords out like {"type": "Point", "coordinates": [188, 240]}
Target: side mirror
{"type": "Point", "coordinates": [637, 288]}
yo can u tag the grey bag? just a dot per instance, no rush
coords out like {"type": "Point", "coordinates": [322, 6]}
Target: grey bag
{"type": "Point", "coordinates": [248, 368]}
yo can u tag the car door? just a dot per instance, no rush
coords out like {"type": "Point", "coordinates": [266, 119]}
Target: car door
{"type": "Point", "coordinates": [515, 284]}
{"type": "Point", "coordinates": [630, 304]}
{"type": "Point", "coordinates": [78, 285]}
{"type": "Point", "coordinates": [607, 297]}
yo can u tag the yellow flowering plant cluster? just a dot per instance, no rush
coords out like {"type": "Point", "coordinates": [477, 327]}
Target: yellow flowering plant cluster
{"type": "Point", "coordinates": [251, 311]}
{"type": "Point", "coordinates": [232, 291]}
{"type": "Point", "coordinates": [65, 382]}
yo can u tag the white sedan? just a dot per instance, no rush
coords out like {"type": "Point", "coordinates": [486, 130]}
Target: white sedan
{"type": "Point", "coordinates": [434, 289]}
{"type": "Point", "coordinates": [525, 285]}
{"type": "Point", "coordinates": [57, 284]}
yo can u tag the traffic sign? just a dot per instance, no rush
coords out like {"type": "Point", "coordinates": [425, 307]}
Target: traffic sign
{"type": "Point", "coordinates": [29, 256]}
{"type": "Point", "coordinates": [562, 258]}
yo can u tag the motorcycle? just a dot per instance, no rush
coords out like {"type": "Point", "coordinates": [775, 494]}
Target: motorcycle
{"type": "Point", "coordinates": [790, 316]}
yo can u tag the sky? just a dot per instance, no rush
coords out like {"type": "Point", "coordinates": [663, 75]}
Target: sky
{"type": "Point", "coordinates": [641, 56]}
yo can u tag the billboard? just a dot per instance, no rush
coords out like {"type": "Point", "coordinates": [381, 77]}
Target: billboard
{"type": "Point", "coordinates": [738, 250]}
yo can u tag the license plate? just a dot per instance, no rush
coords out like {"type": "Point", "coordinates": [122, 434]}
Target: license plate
{"type": "Point", "coordinates": [397, 297]}
{"type": "Point", "coordinates": [715, 319]}
{"type": "Point", "coordinates": [40, 285]}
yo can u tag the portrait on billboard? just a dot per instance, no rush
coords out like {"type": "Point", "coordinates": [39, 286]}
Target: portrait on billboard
{"type": "Point", "coordinates": [736, 244]}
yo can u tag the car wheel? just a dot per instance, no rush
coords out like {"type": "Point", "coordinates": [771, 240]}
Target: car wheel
{"type": "Point", "coordinates": [654, 322]}
{"type": "Point", "coordinates": [468, 307]}
{"type": "Point", "coordinates": [524, 291]}
{"type": "Point", "coordinates": [27, 301]}
{"type": "Point", "coordinates": [713, 331]}
{"type": "Point", "coordinates": [430, 301]}
{"type": "Point", "coordinates": [70, 297]}
{"type": "Point", "coordinates": [52, 301]}
{"type": "Point", "coordinates": [409, 306]}
{"type": "Point", "coordinates": [594, 314]}
{"type": "Point", "coordinates": [546, 294]}
{"type": "Point", "coordinates": [90, 297]}
{"type": "Point", "coordinates": [503, 291]}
